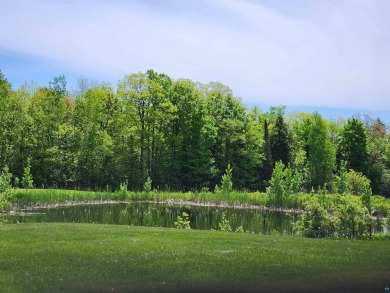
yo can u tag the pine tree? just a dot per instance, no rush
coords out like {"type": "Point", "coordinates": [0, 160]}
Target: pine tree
{"type": "Point", "coordinates": [280, 142]}
{"type": "Point", "coordinates": [268, 163]}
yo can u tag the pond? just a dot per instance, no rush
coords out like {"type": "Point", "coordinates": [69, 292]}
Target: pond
{"type": "Point", "coordinates": [164, 215]}
{"type": "Point", "coordinates": [161, 215]}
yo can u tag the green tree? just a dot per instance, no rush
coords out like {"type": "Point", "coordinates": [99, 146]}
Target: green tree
{"type": "Point", "coordinates": [353, 146]}
{"type": "Point", "coordinates": [280, 141]}
{"type": "Point", "coordinates": [238, 137]}
{"type": "Point", "coordinates": [95, 115]}
{"type": "Point", "coordinates": [340, 181]}
{"type": "Point", "coordinates": [357, 183]}
{"type": "Point", "coordinates": [5, 189]}
{"type": "Point", "coordinates": [15, 127]}
{"type": "Point", "coordinates": [194, 137]}
{"type": "Point", "coordinates": [58, 85]}
{"type": "Point", "coordinates": [320, 153]}
{"type": "Point", "coordinates": [268, 161]}
{"type": "Point", "coordinates": [27, 178]}
{"type": "Point", "coordinates": [282, 185]}
{"type": "Point", "coordinates": [146, 97]}
{"type": "Point", "coordinates": [227, 183]}
{"type": "Point", "coordinates": [377, 141]}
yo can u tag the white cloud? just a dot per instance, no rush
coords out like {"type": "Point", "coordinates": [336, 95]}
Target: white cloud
{"type": "Point", "coordinates": [312, 53]}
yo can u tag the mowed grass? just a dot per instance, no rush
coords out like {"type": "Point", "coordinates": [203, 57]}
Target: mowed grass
{"type": "Point", "coordinates": [59, 257]}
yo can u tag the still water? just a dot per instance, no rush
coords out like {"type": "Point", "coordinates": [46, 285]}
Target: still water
{"type": "Point", "coordinates": [162, 215]}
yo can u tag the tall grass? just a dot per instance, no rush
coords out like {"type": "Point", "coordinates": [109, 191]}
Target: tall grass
{"type": "Point", "coordinates": [297, 201]}
{"type": "Point", "coordinates": [48, 196]}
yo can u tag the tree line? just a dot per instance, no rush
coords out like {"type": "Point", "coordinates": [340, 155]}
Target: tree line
{"type": "Point", "coordinates": [178, 134]}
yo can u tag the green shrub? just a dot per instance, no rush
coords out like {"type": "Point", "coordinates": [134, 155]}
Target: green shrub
{"type": "Point", "coordinates": [381, 236]}
{"type": "Point", "coordinates": [240, 229]}
{"type": "Point", "coordinates": [227, 183]}
{"type": "Point", "coordinates": [148, 185]}
{"type": "Point", "coordinates": [183, 222]}
{"type": "Point", "coordinates": [347, 218]}
{"type": "Point", "coordinates": [6, 191]}
{"type": "Point", "coordinates": [354, 218]}
{"type": "Point", "coordinates": [357, 183]}
{"type": "Point", "coordinates": [123, 190]}
{"type": "Point", "coordinates": [282, 186]}
{"type": "Point", "coordinates": [317, 222]}
{"type": "Point", "coordinates": [27, 179]}
{"type": "Point", "coordinates": [224, 224]}
{"type": "Point", "coordinates": [340, 183]}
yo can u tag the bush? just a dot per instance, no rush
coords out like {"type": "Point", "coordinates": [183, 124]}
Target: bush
{"type": "Point", "coordinates": [381, 236]}
{"type": "Point", "coordinates": [27, 179]}
{"type": "Point", "coordinates": [183, 222]}
{"type": "Point", "coordinates": [317, 222]}
{"type": "Point", "coordinates": [123, 190]}
{"type": "Point", "coordinates": [240, 229]}
{"type": "Point", "coordinates": [148, 185]}
{"type": "Point", "coordinates": [385, 185]}
{"type": "Point", "coordinates": [340, 181]}
{"type": "Point", "coordinates": [282, 185]}
{"type": "Point", "coordinates": [6, 192]}
{"type": "Point", "coordinates": [224, 224]}
{"type": "Point", "coordinates": [227, 183]}
{"type": "Point", "coordinates": [354, 218]}
{"type": "Point", "coordinates": [357, 183]}
{"type": "Point", "coordinates": [349, 219]}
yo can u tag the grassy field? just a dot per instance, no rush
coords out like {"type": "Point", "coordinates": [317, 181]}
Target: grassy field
{"type": "Point", "coordinates": [103, 258]}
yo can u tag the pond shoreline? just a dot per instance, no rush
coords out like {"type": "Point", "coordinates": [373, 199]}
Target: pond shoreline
{"type": "Point", "coordinates": [39, 205]}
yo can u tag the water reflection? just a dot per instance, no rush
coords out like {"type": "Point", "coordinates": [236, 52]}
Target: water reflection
{"type": "Point", "coordinates": [162, 215]}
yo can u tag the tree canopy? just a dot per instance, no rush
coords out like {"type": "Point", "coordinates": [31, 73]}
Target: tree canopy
{"type": "Point", "coordinates": [178, 135]}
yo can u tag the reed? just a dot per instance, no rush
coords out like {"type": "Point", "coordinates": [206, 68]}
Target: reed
{"type": "Point", "coordinates": [296, 201]}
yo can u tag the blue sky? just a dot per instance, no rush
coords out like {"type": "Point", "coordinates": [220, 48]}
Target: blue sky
{"type": "Point", "coordinates": [326, 55]}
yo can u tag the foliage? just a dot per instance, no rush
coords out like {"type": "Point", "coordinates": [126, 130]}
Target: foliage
{"type": "Point", "coordinates": [381, 236]}
{"type": "Point", "coordinates": [183, 222]}
{"type": "Point", "coordinates": [6, 192]}
{"type": "Point", "coordinates": [240, 229]}
{"type": "Point", "coordinates": [320, 152]}
{"type": "Point", "coordinates": [179, 133]}
{"type": "Point", "coordinates": [316, 223]}
{"type": "Point", "coordinates": [348, 218]}
{"type": "Point", "coordinates": [357, 183]}
{"type": "Point", "coordinates": [226, 183]}
{"type": "Point", "coordinates": [282, 185]}
{"type": "Point", "coordinates": [280, 141]}
{"type": "Point", "coordinates": [385, 183]}
{"type": "Point", "coordinates": [365, 197]}
{"type": "Point", "coordinates": [268, 163]}
{"type": "Point", "coordinates": [224, 224]}
{"type": "Point", "coordinates": [27, 179]}
{"type": "Point", "coordinates": [148, 185]}
{"type": "Point", "coordinates": [341, 181]}
{"type": "Point", "coordinates": [353, 147]}
{"type": "Point", "coordinates": [123, 189]}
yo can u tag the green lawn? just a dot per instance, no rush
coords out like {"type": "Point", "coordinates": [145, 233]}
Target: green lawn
{"type": "Point", "coordinates": [95, 258]}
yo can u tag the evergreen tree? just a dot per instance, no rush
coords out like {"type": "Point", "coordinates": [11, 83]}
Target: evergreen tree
{"type": "Point", "coordinates": [280, 141]}
{"type": "Point", "coordinates": [268, 162]}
